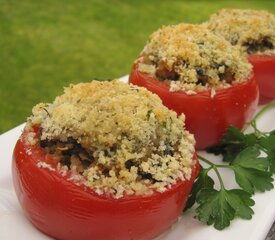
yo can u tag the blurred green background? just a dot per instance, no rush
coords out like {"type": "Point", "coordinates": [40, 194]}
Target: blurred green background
{"type": "Point", "coordinates": [45, 45]}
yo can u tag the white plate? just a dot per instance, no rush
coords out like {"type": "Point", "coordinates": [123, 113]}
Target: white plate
{"type": "Point", "coordinates": [13, 225]}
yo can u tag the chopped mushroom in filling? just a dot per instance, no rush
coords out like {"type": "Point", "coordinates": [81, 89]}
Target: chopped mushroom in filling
{"type": "Point", "coordinates": [191, 58]}
{"type": "Point", "coordinates": [118, 138]}
{"type": "Point", "coordinates": [253, 30]}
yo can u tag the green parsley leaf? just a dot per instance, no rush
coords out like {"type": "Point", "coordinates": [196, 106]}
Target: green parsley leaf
{"type": "Point", "coordinates": [221, 207]}
{"type": "Point", "coordinates": [268, 144]}
{"type": "Point", "coordinates": [214, 208]}
{"type": "Point", "coordinates": [251, 180]}
{"type": "Point", "coordinates": [251, 171]}
{"type": "Point", "coordinates": [232, 143]}
{"type": "Point", "coordinates": [249, 158]}
{"type": "Point", "coordinates": [202, 181]}
{"type": "Point", "coordinates": [241, 202]}
{"type": "Point", "coordinates": [271, 159]}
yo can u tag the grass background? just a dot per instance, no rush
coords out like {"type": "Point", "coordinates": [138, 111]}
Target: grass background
{"type": "Point", "coordinates": [45, 45]}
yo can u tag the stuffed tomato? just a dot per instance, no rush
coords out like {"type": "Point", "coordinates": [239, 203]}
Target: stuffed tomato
{"type": "Point", "coordinates": [254, 31]}
{"type": "Point", "coordinates": [104, 161]}
{"type": "Point", "coordinates": [201, 75]}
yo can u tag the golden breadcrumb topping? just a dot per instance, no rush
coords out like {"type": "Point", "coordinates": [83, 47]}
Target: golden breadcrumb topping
{"type": "Point", "coordinates": [193, 59]}
{"type": "Point", "coordinates": [254, 30]}
{"type": "Point", "coordinates": [118, 138]}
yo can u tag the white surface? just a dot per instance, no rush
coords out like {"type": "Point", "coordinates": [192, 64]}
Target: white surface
{"type": "Point", "coordinates": [13, 224]}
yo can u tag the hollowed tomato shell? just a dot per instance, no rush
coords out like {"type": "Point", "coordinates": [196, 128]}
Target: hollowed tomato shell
{"type": "Point", "coordinates": [264, 69]}
{"type": "Point", "coordinates": [206, 117]}
{"type": "Point", "coordinates": [64, 210]}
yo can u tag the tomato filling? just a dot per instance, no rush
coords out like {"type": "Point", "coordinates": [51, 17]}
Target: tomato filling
{"type": "Point", "coordinates": [259, 46]}
{"type": "Point", "coordinates": [76, 158]}
{"type": "Point", "coordinates": [165, 74]}
{"type": "Point", "coordinates": [69, 153]}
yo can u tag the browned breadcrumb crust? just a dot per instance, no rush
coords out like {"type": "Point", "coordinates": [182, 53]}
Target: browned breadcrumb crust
{"type": "Point", "coordinates": [254, 30]}
{"type": "Point", "coordinates": [193, 59]}
{"type": "Point", "coordinates": [117, 138]}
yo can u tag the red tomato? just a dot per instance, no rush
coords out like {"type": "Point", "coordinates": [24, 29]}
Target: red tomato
{"type": "Point", "coordinates": [65, 210]}
{"type": "Point", "coordinates": [264, 69]}
{"type": "Point", "coordinates": [207, 118]}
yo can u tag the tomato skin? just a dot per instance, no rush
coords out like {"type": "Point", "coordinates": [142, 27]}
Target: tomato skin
{"type": "Point", "coordinates": [207, 118]}
{"type": "Point", "coordinates": [264, 69]}
{"type": "Point", "coordinates": [64, 210]}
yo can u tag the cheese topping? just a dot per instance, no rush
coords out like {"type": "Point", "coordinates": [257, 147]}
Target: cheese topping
{"type": "Point", "coordinates": [119, 138]}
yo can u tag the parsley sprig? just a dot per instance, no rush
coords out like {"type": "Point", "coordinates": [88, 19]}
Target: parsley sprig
{"type": "Point", "coordinates": [251, 157]}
